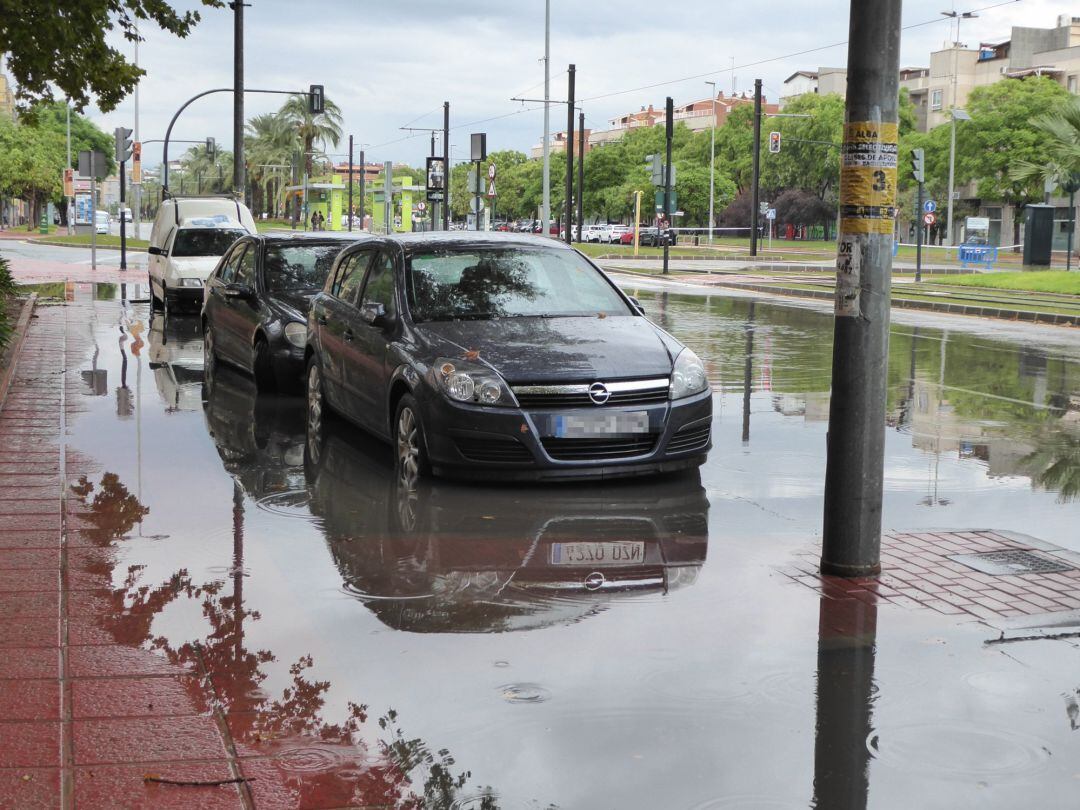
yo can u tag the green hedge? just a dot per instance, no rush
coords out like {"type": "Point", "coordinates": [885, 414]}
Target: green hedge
{"type": "Point", "coordinates": [7, 292]}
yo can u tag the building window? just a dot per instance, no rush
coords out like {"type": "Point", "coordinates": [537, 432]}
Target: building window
{"type": "Point", "coordinates": [1072, 83]}
{"type": "Point", "coordinates": [935, 99]}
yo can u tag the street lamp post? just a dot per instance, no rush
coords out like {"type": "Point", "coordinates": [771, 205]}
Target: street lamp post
{"type": "Point", "coordinates": [955, 115]}
{"type": "Point", "coordinates": [712, 159]}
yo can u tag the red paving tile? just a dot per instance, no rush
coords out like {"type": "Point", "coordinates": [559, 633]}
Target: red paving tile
{"type": "Point", "coordinates": [918, 572]}
{"type": "Point", "coordinates": [153, 739]}
{"type": "Point", "coordinates": [117, 660]}
{"type": "Point", "coordinates": [38, 631]}
{"type": "Point", "coordinates": [30, 788]}
{"type": "Point", "coordinates": [23, 605]}
{"type": "Point", "coordinates": [30, 700]}
{"type": "Point", "coordinates": [31, 558]}
{"type": "Point", "coordinates": [29, 662]}
{"type": "Point", "coordinates": [137, 697]}
{"type": "Point", "coordinates": [29, 579]}
{"type": "Point", "coordinates": [26, 745]}
{"type": "Point", "coordinates": [108, 787]}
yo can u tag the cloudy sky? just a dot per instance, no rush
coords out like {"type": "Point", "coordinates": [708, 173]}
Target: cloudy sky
{"type": "Point", "coordinates": [391, 64]}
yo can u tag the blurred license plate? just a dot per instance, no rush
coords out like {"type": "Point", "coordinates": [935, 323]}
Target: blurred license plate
{"type": "Point", "coordinates": [590, 425]}
{"type": "Point", "coordinates": [612, 553]}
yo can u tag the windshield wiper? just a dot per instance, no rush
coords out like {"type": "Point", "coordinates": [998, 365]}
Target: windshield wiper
{"type": "Point", "coordinates": [475, 316]}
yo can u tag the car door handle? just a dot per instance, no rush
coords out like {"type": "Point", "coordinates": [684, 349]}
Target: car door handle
{"type": "Point", "coordinates": [347, 335]}
{"type": "Point", "coordinates": [321, 320]}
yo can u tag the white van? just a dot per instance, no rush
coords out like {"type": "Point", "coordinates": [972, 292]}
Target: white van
{"type": "Point", "coordinates": [101, 222]}
{"type": "Point", "coordinates": [189, 235]}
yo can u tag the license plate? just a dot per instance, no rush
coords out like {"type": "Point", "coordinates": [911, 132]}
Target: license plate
{"type": "Point", "coordinates": [591, 425]}
{"type": "Point", "coordinates": [620, 552]}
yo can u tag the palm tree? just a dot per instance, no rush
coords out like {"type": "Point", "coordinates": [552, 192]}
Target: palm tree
{"type": "Point", "coordinates": [312, 128]}
{"type": "Point", "coordinates": [270, 142]}
{"type": "Point", "coordinates": [210, 169]}
{"type": "Point", "coordinates": [1061, 129]}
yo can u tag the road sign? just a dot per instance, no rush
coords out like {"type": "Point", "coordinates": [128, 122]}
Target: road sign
{"type": "Point", "coordinates": [929, 218]}
{"type": "Point", "coordinates": [491, 171]}
{"type": "Point", "coordinates": [774, 142]}
{"type": "Point", "coordinates": [491, 188]}
{"type": "Point", "coordinates": [929, 206]}
{"type": "Point", "coordinates": [770, 214]}
{"type": "Point", "coordinates": [476, 204]}
{"type": "Point", "coordinates": [421, 206]}
{"type": "Point", "coordinates": [660, 201]}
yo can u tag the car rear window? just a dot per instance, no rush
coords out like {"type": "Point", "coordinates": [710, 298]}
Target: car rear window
{"type": "Point", "coordinates": [502, 282]}
{"type": "Point", "coordinates": [298, 267]}
{"type": "Point", "coordinates": [204, 241]}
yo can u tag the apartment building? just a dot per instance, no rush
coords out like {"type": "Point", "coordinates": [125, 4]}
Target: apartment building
{"type": "Point", "coordinates": [7, 98]}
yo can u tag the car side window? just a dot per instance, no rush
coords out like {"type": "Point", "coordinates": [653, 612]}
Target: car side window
{"type": "Point", "coordinates": [169, 241]}
{"type": "Point", "coordinates": [348, 282]}
{"type": "Point", "coordinates": [342, 271]}
{"type": "Point", "coordinates": [245, 268]}
{"type": "Point", "coordinates": [228, 270]}
{"type": "Point", "coordinates": [379, 288]}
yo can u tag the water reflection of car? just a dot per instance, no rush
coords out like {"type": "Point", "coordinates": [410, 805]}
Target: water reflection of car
{"type": "Point", "coordinates": [260, 438]}
{"type": "Point", "coordinates": [176, 360]}
{"type": "Point", "coordinates": [440, 557]}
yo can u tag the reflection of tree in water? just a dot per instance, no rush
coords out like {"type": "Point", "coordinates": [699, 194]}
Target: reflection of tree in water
{"type": "Point", "coordinates": [404, 772]}
{"type": "Point", "coordinates": [482, 290]}
{"type": "Point", "coordinates": [1055, 465]}
{"type": "Point", "coordinates": [113, 510]}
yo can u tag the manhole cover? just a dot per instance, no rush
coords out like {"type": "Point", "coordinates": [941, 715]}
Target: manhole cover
{"type": "Point", "coordinates": [1012, 561]}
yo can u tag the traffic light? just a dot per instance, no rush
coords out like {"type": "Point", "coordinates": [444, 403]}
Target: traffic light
{"type": "Point", "coordinates": [316, 99]}
{"type": "Point", "coordinates": [655, 165]}
{"type": "Point", "coordinates": [774, 142]}
{"type": "Point", "coordinates": [122, 138]}
{"type": "Point", "coordinates": [211, 148]}
{"type": "Point", "coordinates": [918, 169]}
{"type": "Point", "coordinates": [136, 163]}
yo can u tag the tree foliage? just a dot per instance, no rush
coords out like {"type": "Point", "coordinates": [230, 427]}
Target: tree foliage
{"type": "Point", "coordinates": [62, 44]}
{"type": "Point", "coordinates": [31, 164]}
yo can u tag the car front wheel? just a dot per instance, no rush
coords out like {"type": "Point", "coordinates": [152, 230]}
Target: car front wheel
{"type": "Point", "coordinates": [410, 449]}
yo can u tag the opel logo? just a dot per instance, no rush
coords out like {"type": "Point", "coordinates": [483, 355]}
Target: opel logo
{"type": "Point", "coordinates": [598, 393]}
{"type": "Point", "coordinates": [594, 581]}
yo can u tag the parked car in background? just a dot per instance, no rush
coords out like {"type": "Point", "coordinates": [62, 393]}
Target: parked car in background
{"type": "Point", "coordinates": [618, 232]}
{"type": "Point", "coordinates": [598, 233]}
{"type": "Point", "coordinates": [501, 356]}
{"type": "Point", "coordinates": [101, 222]}
{"type": "Point", "coordinates": [256, 301]}
{"type": "Point", "coordinates": [125, 214]}
{"type": "Point", "coordinates": [628, 237]}
{"type": "Point", "coordinates": [189, 236]}
{"type": "Point", "coordinates": [656, 237]}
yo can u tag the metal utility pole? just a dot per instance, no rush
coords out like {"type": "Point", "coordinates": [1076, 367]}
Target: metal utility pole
{"type": "Point", "coordinates": [434, 217]}
{"type": "Point", "coordinates": [755, 193]}
{"type": "Point", "coordinates": [349, 210]}
{"type": "Point", "coordinates": [581, 176]}
{"type": "Point", "coordinates": [953, 117]}
{"type": "Point", "coordinates": [856, 440]}
{"type": "Point", "coordinates": [446, 166]}
{"type": "Point", "coordinates": [363, 174]}
{"type": "Point", "coordinates": [388, 197]}
{"type": "Point", "coordinates": [568, 228]}
{"type": "Point", "coordinates": [68, 200]}
{"type": "Point", "coordinates": [545, 205]}
{"type": "Point", "coordinates": [712, 159]}
{"type": "Point", "coordinates": [136, 187]}
{"type": "Point", "coordinates": [238, 97]}
{"type": "Point", "coordinates": [669, 131]}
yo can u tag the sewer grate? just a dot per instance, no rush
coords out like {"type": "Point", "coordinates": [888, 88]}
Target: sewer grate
{"type": "Point", "coordinates": [1011, 561]}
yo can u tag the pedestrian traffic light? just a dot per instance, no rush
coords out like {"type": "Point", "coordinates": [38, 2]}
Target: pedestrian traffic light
{"type": "Point", "coordinates": [316, 99]}
{"type": "Point", "coordinates": [122, 138]}
{"type": "Point", "coordinates": [918, 169]}
{"type": "Point", "coordinates": [774, 142]}
{"type": "Point", "coordinates": [211, 148]}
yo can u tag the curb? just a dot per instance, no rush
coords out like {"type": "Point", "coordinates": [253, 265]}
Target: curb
{"type": "Point", "coordinates": [54, 243]}
{"type": "Point", "coordinates": [11, 353]}
{"type": "Point", "coordinates": [1044, 318]}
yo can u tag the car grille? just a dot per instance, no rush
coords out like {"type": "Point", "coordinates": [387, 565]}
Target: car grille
{"type": "Point", "coordinates": [601, 449]}
{"type": "Point", "coordinates": [503, 451]}
{"type": "Point", "coordinates": [693, 437]}
{"type": "Point", "coordinates": [576, 395]}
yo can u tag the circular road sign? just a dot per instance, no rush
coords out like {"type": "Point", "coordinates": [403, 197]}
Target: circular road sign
{"type": "Point", "coordinates": [421, 206]}
{"type": "Point", "coordinates": [929, 206]}
{"type": "Point", "coordinates": [491, 171]}
{"type": "Point", "coordinates": [929, 218]}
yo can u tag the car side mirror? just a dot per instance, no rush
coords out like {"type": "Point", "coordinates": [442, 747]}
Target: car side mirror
{"type": "Point", "coordinates": [637, 304]}
{"type": "Point", "coordinates": [374, 313]}
{"type": "Point", "coordinates": [239, 291]}
{"type": "Point", "coordinates": [155, 251]}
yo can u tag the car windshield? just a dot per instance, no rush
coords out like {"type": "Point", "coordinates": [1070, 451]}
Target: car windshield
{"type": "Point", "coordinates": [298, 267]}
{"type": "Point", "coordinates": [506, 282]}
{"type": "Point", "coordinates": [204, 241]}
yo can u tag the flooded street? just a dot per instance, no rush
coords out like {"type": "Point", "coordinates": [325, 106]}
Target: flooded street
{"type": "Point", "coordinates": [452, 645]}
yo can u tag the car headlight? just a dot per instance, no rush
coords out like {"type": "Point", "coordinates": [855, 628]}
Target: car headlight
{"type": "Point", "coordinates": [191, 282]}
{"type": "Point", "coordinates": [296, 334]}
{"type": "Point", "coordinates": [463, 381]}
{"type": "Point", "coordinates": [688, 376]}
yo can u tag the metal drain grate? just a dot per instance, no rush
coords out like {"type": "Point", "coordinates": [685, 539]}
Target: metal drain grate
{"type": "Point", "coordinates": [1011, 561]}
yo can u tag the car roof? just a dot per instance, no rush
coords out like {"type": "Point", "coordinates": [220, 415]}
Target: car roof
{"type": "Point", "coordinates": [412, 242]}
{"type": "Point", "coordinates": [309, 238]}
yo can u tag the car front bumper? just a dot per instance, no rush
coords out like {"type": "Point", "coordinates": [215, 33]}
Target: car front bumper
{"type": "Point", "coordinates": [465, 441]}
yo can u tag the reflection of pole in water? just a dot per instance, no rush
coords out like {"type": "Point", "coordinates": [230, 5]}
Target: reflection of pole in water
{"type": "Point", "coordinates": [238, 571]}
{"type": "Point", "coordinates": [907, 410]}
{"type": "Point", "coordinates": [847, 635]}
{"type": "Point", "coordinates": [932, 498]}
{"type": "Point", "coordinates": [748, 374]}
{"type": "Point", "coordinates": [663, 310]}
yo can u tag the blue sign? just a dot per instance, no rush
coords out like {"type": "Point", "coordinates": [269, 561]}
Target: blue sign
{"type": "Point", "coordinates": [929, 206]}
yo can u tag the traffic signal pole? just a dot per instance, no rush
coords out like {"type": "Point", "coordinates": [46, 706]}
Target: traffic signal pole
{"type": "Point", "coordinates": [854, 470]}
{"type": "Point", "coordinates": [918, 235]}
{"type": "Point", "coordinates": [755, 192]}
{"type": "Point", "coordinates": [568, 227]}
{"type": "Point", "coordinates": [669, 128]}
{"type": "Point", "coordinates": [123, 222]}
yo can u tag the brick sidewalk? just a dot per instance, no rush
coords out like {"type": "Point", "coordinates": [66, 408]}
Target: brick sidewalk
{"type": "Point", "coordinates": [35, 271]}
{"type": "Point", "coordinates": [85, 716]}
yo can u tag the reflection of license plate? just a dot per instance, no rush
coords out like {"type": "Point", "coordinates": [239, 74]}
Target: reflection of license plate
{"type": "Point", "coordinates": [617, 553]}
{"type": "Point", "coordinates": [589, 425]}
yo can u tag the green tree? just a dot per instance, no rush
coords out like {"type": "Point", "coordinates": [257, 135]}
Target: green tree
{"type": "Point", "coordinates": [31, 165]}
{"type": "Point", "coordinates": [312, 128]}
{"type": "Point", "coordinates": [807, 158]}
{"type": "Point", "coordinates": [64, 44]}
